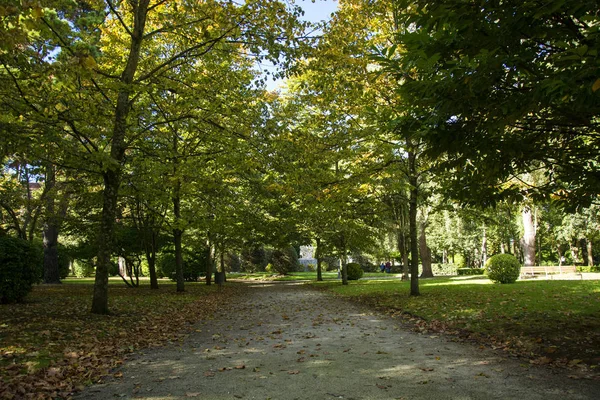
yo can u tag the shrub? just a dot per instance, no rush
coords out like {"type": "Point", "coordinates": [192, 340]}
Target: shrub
{"type": "Point", "coordinates": [446, 269]}
{"type": "Point", "coordinates": [355, 272]}
{"type": "Point", "coordinates": [470, 271]}
{"type": "Point", "coordinates": [503, 268]}
{"type": "Point", "coordinates": [21, 265]}
{"type": "Point", "coordinates": [83, 269]}
{"type": "Point", "coordinates": [284, 261]}
{"type": "Point", "coordinates": [594, 268]}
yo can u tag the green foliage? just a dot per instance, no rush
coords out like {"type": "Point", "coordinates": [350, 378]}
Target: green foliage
{"type": "Point", "coordinates": [20, 267]}
{"type": "Point", "coordinates": [355, 272]}
{"type": "Point", "coordinates": [194, 265]}
{"type": "Point", "coordinates": [594, 268]}
{"type": "Point", "coordinates": [503, 268]}
{"type": "Point", "coordinates": [284, 260]}
{"type": "Point", "coordinates": [64, 261]}
{"type": "Point", "coordinates": [444, 269]}
{"type": "Point", "coordinates": [165, 265]}
{"type": "Point", "coordinates": [83, 268]}
{"type": "Point", "coordinates": [470, 271]}
{"type": "Point", "coordinates": [254, 259]}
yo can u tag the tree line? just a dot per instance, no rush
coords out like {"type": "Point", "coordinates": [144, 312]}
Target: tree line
{"type": "Point", "coordinates": [130, 127]}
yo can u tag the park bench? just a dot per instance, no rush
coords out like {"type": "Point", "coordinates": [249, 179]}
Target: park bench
{"type": "Point", "coordinates": [549, 271]}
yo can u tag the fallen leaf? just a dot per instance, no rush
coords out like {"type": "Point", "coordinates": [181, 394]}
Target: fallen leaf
{"type": "Point", "coordinates": [296, 372]}
{"type": "Point", "coordinates": [192, 394]}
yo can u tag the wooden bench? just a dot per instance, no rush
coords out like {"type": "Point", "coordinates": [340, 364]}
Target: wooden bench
{"type": "Point", "coordinates": [532, 272]}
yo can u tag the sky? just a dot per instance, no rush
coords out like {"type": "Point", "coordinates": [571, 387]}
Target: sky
{"type": "Point", "coordinates": [314, 11]}
{"type": "Point", "coordinates": [317, 10]}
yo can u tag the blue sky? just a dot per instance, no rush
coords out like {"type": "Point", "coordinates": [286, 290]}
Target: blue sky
{"type": "Point", "coordinates": [317, 10]}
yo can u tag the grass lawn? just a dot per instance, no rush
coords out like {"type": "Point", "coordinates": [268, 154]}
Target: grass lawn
{"type": "Point", "coordinates": [51, 343]}
{"type": "Point", "coordinates": [551, 321]}
{"type": "Point", "coordinates": [302, 276]}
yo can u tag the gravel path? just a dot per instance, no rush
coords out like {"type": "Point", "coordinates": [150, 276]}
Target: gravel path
{"type": "Point", "coordinates": [287, 341]}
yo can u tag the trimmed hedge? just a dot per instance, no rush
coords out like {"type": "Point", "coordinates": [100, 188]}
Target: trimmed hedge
{"type": "Point", "coordinates": [470, 271]}
{"type": "Point", "coordinates": [21, 265]}
{"type": "Point", "coordinates": [503, 268]}
{"type": "Point", "coordinates": [355, 272]}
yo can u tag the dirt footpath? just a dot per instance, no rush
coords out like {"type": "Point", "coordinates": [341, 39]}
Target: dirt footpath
{"type": "Point", "coordinates": [287, 341]}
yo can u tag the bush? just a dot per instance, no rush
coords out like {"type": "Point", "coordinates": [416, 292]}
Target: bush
{"type": "Point", "coordinates": [595, 268]}
{"type": "Point", "coordinates": [503, 268]}
{"type": "Point", "coordinates": [470, 271]}
{"type": "Point", "coordinates": [355, 272]}
{"type": "Point", "coordinates": [284, 261]}
{"type": "Point", "coordinates": [83, 269]}
{"type": "Point", "coordinates": [21, 265]}
{"type": "Point", "coordinates": [446, 269]}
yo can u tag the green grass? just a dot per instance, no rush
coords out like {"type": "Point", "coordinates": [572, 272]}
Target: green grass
{"type": "Point", "coordinates": [551, 318]}
{"type": "Point", "coordinates": [303, 276]}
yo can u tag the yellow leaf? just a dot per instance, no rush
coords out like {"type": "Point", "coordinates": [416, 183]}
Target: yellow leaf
{"type": "Point", "coordinates": [596, 85]}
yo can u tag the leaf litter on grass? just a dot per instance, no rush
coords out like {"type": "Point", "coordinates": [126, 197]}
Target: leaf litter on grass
{"type": "Point", "coordinates": [52, 346]}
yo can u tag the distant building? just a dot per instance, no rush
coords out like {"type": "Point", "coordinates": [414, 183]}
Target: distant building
{"type": "Point", "coordinates": [307, 257]}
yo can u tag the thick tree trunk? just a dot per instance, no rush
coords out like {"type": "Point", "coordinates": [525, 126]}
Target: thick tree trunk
{"type": "Point", "coordinates": [528, 243]}
{"type": "Point", "coordinates": [590, 255]}
{"type": "Point", "coordinates": [117, 152]}
{"type": "Point", "coordinates": [412, 217]}
{"type": "Point", "coordinates": [109, 212]}
{"type": "Point", "coordinates": [425, 252]}
{"type": "Point", "coordinates": [51, 229]}
{"type": "Point", "coordinates": [319, 260]}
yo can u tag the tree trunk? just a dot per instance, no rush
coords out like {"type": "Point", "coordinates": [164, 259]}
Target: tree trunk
{"type": "Point", "coordinates": [483, 247]}
{"type": "Point", "coordinates": [559, 250]}
{"type": "Point", "coordinates": [151, 258]}
{"type": "Point", "coordinates": [574, 252]}
{"type": "Point", "coordinates": [344, 259]}
{"type": "Point", "coordinates": [425, 253]}
{"type": "Point", "coordinates": [319, 260]}
{"type": "Point", "coordinates": [590, 255]}
{"type": "Point", "coordinates": [105, 238]}
{"type": "Point", "coordinates": [412, 217]}
{"type": "Point", "coordinates": [584, 252]}
{"type": "Point", "coordinates": [209, 262]}
{"type": "Point", "coordinates": [113, 174]}
{"type": "Point", "coordinates": [51, 229]}
{"type": "Point", "coordinates": [403, 253]}
{"type": "Point", "coordinates": [528, 243]}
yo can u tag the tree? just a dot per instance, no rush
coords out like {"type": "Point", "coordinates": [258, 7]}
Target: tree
{"type": "Point", "coordinates": [510, 88]}
{"type": "Point", "coordinates": [108, 54]}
